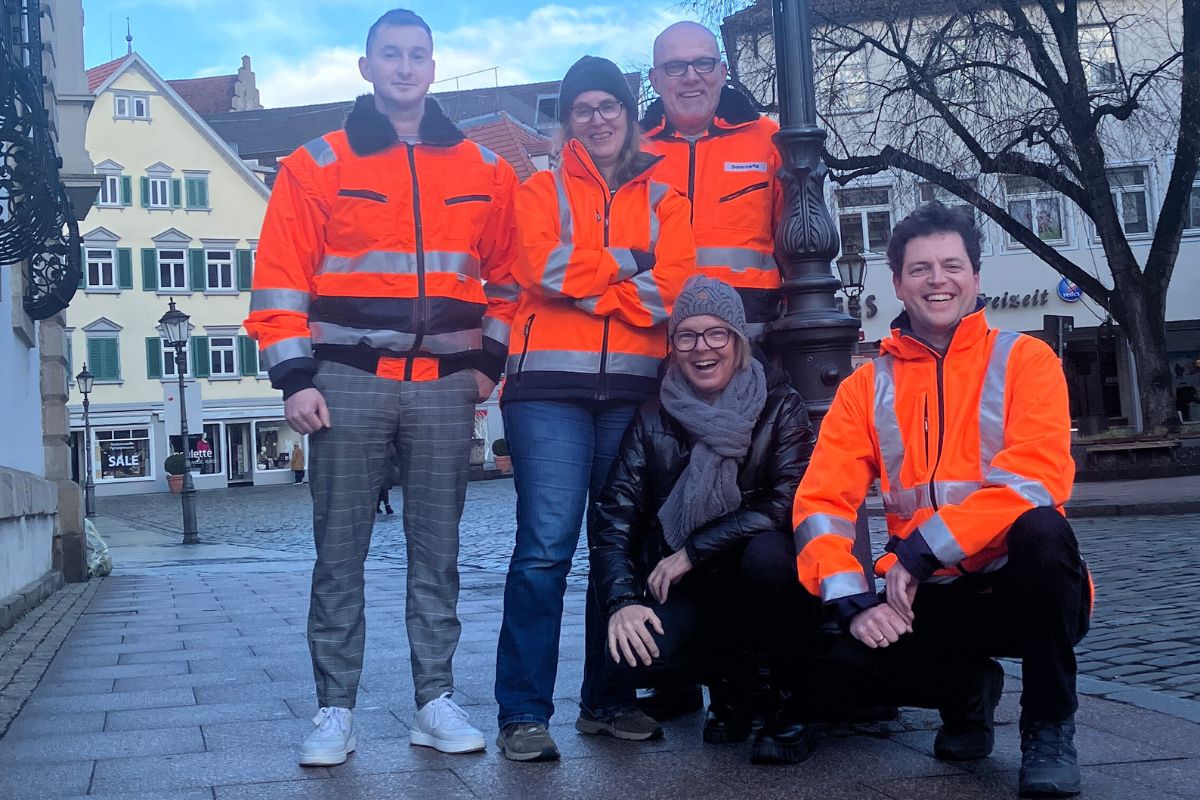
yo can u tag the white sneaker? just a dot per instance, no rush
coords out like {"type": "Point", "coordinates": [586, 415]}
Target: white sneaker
{"type": "Point", "coordinates": [442, 725]}
{"type": "Point", "coordinates": [332, 741]}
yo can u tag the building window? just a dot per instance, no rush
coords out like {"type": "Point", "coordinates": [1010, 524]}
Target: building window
{"type": "Point", "coordinates": [205, 449]}
{"type": "Point", "coordinates": [1191, 211]}
{"type": "Point", "coordinates": [110, 191]}
{"type": "Point", "coordinates": [104, 358]}
{"type": "Point", "coordinates": [930, 192]}
{"type": "Point", "coordinates": [844, 79]}
{"type": "Point", "coordinates": [1099, 54]}
{"type": "Point", "coordinates": [275, 440]}
{"type": "Point", "coordinates": [219, 266]}
{"type": "Point", "coordinates": [101, 268]}
{"type": "Point", "coordinates": [1129, 195]}
{"type": "Point", "coordinates": [168, 362]}
{"type": "Point", "coordinates": [197, 191]}
{"type": "Point", "coordinates": [172, 271]}
{"type": "Point", "coordinates": [222, 355]}
{"type": "Point", "coordinates": [123, 454]}
{"type": "Point", "coordinates": [160, 193]}
{"type": "Point", "coordinates": [865, 218]}
{"type": "Point", "coordinates": [1037, 207]}
{"type": "Point", "coordinates": [547, 112]}
{"type": "Point", "coordinates": [132, 106]}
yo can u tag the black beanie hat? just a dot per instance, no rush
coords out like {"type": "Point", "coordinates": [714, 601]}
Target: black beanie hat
{"type": "Point", "coordinates": [594, 73]}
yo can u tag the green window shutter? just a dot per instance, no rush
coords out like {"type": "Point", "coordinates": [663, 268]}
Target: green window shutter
{"type": "Point", "coordinates": [126, 190]}
{"type": "Point", "coordinates": [153, 357]}
{"type": "Point", "coordinates": [202, 193]}
{"type": "Point", "coordinates": [200, 364]}
{"type": "Point", "coordinates": [104, 358]}
{"type": "Point", "coordinates": [145, 184]}
{"type": "Point", "coordinates": [199, 273]}
{"type": "Point", "coordinates": [125, 267]}
{"type": "Point", "coordinates": [83, 272]}
{"type": "Point", "coordinates": [113, 358]}
{"type": "Point", "coordinates": [175, 193]}
{"type": "Point", "coordinates": [249, 355]}
{"type": "Point", "coordinates": [149, 269]}
{"type": "Point", "coordinates": [190, 186]}
{"type": "Point", "coordinates": [245, 272]}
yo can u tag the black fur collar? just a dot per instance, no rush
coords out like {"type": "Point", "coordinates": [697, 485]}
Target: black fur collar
{"type": "Point", "coordinates": [734, 108]}
{"type": "Point", "coordinates": [370, 132]}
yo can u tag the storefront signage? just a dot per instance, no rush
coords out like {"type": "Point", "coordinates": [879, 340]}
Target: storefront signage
{"type": "Point", "coordinates": [124, 459]}
{"type": "Point", "coordinates": [999, 302]}
{"type": "Point", "coordinates": [1068, 291]}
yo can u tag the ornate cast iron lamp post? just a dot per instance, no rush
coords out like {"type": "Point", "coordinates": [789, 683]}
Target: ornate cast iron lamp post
{"type": "Point", "coordinates": [175, 328]}
{"type": "Point", "coordinates": [852, 269]}
{"type": "Point", "coordinates": [84, 381]}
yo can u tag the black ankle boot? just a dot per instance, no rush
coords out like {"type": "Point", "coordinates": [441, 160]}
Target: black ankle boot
{"type": "Point", "coordinates": [784, 736]}
{"type": "Point", "coordinates": [1049, 762]}
{"type": "Point", "coordinates": [967, 731]}
{"type": "Point", "coordinates": [729, 718]}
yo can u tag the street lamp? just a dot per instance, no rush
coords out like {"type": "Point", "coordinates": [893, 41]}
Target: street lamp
{"type": "Point", "coordinates": [84, 381]}
{"type": "Point", "coordinates": [852, 269]}
{"type": "Point", "coordinates": [175, 329]}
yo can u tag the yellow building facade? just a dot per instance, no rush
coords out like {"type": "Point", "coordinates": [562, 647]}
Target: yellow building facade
{"type": "Point", "coordinates": [176, 220]}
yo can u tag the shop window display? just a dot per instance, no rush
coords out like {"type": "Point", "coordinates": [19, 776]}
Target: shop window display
{"type": "Point", "coordinates": [273, 441]}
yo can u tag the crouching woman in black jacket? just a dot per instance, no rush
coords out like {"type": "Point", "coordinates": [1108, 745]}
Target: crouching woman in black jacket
{"type": "Point", "coordinates": [690, 541]}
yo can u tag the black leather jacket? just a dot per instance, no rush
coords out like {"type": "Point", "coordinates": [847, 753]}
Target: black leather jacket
{"type": "Point", "coordinates": [625, 538]}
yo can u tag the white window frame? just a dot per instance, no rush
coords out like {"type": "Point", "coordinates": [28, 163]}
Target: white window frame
{"type": "Point", "coordinates": [230, 350]}
{"type": "Point", "coordinates": [1034, 198]}
{"type": "Point", "coordinates": [1119, 192]}
{"type": "Point", "coordinates": [121, 106]}
{"type": "Point", "coordinates": [1192, 208]}
{"type": "Point", "coordinates": [127, 105]}
{"type": "Point", "coordinates": [134, 102]}
{"type": "Point", "coordinates": [110, 190]}
{"type": "Point", "coordinates": [849, 81]}
{"type": "Point", "coordinates": [93, 255]}
{"type": "Point", "coordinates": [224, 267]}
{"type": "Point", "coordinates": [178, 269]}
{"type": "Point", "coordinates": [168, 361]}
{"type": "Point", "coordinates": [1097, 42]}
{"type": "Point", "coordinates": [160, 192]}
{"type": "Point", "coordinates": [151, 466]}
{"type": "Point", "coordinates": [863, 213]}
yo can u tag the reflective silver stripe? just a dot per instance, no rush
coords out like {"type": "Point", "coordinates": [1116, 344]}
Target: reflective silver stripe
{"type": "Point", "coordinates": [502, 291]}
{"type": "Point", "coordinates": [564, 207]}
{"type": "Point", "coordinates": [437, 344]}
{"type": "Point", "coordinates": [991, 402]}
{"type": "Point", "coordinates": [588, 304]}
{"type": "Point", "coordinates": [1028, 489]}
{"type": "Point", "coordinates": [736, 258]}
{"type": "Point", "coordinates": [279, 300]}
{"type": "Point", "coordinates": [843, 584]}
{"type": "Point", "coordinates": [285, 350]}
{"type": "Point", "coordinates": [400, 263]}
{"type": "Point", "coordinates": [941, 541]}
{"type": "Point", "coordinates": [650, 297]}
{"type": "Point", "coordinates": [554, 274]}
{"type": "Point", "coordinates": [584, 362]}
{"type": "Point", "coordinates": [626, 265]}
{"type": "Point", "coordinates": [815, 525]}
{"type": "Point", "coordinates": [887, 427]}
{"type": "Point", "coordinates": [657, 192]}
{"type": "Point", "coordinates": [321, 151]}
{"type": "Point", "coordinates": [489, 157]}
{"type": "Point", "coordinates": [951, 493]}
{"type": "Point", "coordinates": [497, 330]}
{"type": "Point", "coordinates": [906, 502]}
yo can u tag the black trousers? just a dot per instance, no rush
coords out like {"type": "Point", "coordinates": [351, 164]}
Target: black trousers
{"type": "Point", "coordinates": [1035, 608]}
{"type": "Point", "coordinates": [723, 621]}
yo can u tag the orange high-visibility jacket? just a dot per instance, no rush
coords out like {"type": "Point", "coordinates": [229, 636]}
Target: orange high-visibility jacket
{"type": "Point", "coordinates": [962, 444]}
{"type": "Point", "coordinates": [598, 272]}
{"type": "Point", "coordinates": [389, 256]}
{"type": "Point", "coordinates": [729, 174]}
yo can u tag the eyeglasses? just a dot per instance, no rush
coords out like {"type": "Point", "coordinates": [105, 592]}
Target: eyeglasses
{"type": "Point", "coordinates": [686, 341]}
{"type": "Point", "coordinates": [609, 109]}
{"type": "Point", "coordinates": [703, 66]}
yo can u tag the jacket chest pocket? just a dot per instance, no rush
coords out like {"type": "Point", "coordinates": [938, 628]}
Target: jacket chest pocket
{"type": "Point", "coordinates": [463, 214]}
{"type": "Point", "coordinates": [362, 217]}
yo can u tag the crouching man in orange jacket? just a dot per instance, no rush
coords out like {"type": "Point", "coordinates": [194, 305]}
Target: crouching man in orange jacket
{"type": "Point", "coordinates": [968, 431]}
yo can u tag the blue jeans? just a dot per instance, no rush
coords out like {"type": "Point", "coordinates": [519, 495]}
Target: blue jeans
{"type": "Point", "coordinates": [560, 451]}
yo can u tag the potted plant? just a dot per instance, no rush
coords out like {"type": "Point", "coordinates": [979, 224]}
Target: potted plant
{"type": "Point", "coordinates": [503, 459]}
{"type": "Point", "coordinates": [175, 466]}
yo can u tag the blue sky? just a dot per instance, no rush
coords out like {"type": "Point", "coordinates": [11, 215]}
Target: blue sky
{"type": "Point", "coordinates": [305, 51]}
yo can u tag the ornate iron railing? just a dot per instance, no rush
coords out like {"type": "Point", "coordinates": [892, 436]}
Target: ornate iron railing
{"type": "Point", "coordinates": [37, 224]}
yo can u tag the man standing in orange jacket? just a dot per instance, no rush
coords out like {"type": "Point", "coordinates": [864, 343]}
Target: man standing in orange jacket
{"type": "Point", "coordinates": [967, 429]}
{"type": "Point", "coordinates": [718, 152]}
{"type": "Point", "coordinates": [383, 298]}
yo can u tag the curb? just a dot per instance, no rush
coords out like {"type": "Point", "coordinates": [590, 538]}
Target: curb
{"type": "Point", "coordinates": [1138, 697]}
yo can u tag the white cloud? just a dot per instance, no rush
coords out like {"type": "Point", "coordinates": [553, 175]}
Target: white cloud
{"type": "Point", "coordinates": [538, 47]}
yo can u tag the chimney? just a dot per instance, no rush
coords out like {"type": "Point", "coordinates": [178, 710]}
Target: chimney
{"type": "Point", "coordinates": [245, 92]}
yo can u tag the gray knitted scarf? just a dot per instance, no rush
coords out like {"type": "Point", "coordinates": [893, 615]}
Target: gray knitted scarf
{"type": "Point", "coordinates": [720, 434]}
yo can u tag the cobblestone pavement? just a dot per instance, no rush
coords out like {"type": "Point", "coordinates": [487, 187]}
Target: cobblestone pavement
{"type": "Point", "coordinates": [1143, 632]}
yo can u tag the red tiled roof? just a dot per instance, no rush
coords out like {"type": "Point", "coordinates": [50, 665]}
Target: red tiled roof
{"type": "Point", "coordinates": [99, 74]}
{"type": "Point", "coordinates": [207, 95]}
{"type": "Point", "coordinates": [509, 139]}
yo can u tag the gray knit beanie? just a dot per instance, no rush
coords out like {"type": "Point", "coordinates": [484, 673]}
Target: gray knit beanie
{"type": "Point", "coordinates": [704, 295]}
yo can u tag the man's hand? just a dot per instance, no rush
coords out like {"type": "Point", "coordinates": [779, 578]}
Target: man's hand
{"type": "Point", "coordinates": [901, 590]}
{"type": "Point", "coordinates": [628, 634]}
{"type": "Point", "coordinates": [879, 626]}
{"type": "Point", "coordinates": [306, 411]}
{"type": "Point", "coordinates": [484, 385]}
{"type": "Point", "coordinates": [667, 573]}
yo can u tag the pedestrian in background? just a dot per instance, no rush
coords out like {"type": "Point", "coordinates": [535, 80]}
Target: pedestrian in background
{"type": "Point", "coordinates": [382, 301]}
{"type": "Point", "coordinates": [297, 462]}
{"type": "Point", "coordinates": [604, 250]}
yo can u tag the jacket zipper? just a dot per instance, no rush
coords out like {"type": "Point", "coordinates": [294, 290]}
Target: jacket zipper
{"type": "Point", "coordinates": [422, 300]}
{"type": "Point", "coordinates": [691, 179]}
{"type": "Point", "coordinates": [941, 403]}
{"type": "Point", "coordinates": [927, 459]}
{"type": "Point", "coordinates": [525, 346]}
{"type": "Point", "coordinates": [602, 390]}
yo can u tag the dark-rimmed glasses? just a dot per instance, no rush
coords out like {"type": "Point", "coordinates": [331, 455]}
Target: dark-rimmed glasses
{"type": "Point", "coordinates": [715, 338]}
{"type": "Point", "coordinates": [582, 114]}
{"type": "Point", "coordinates": [703, 66]}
